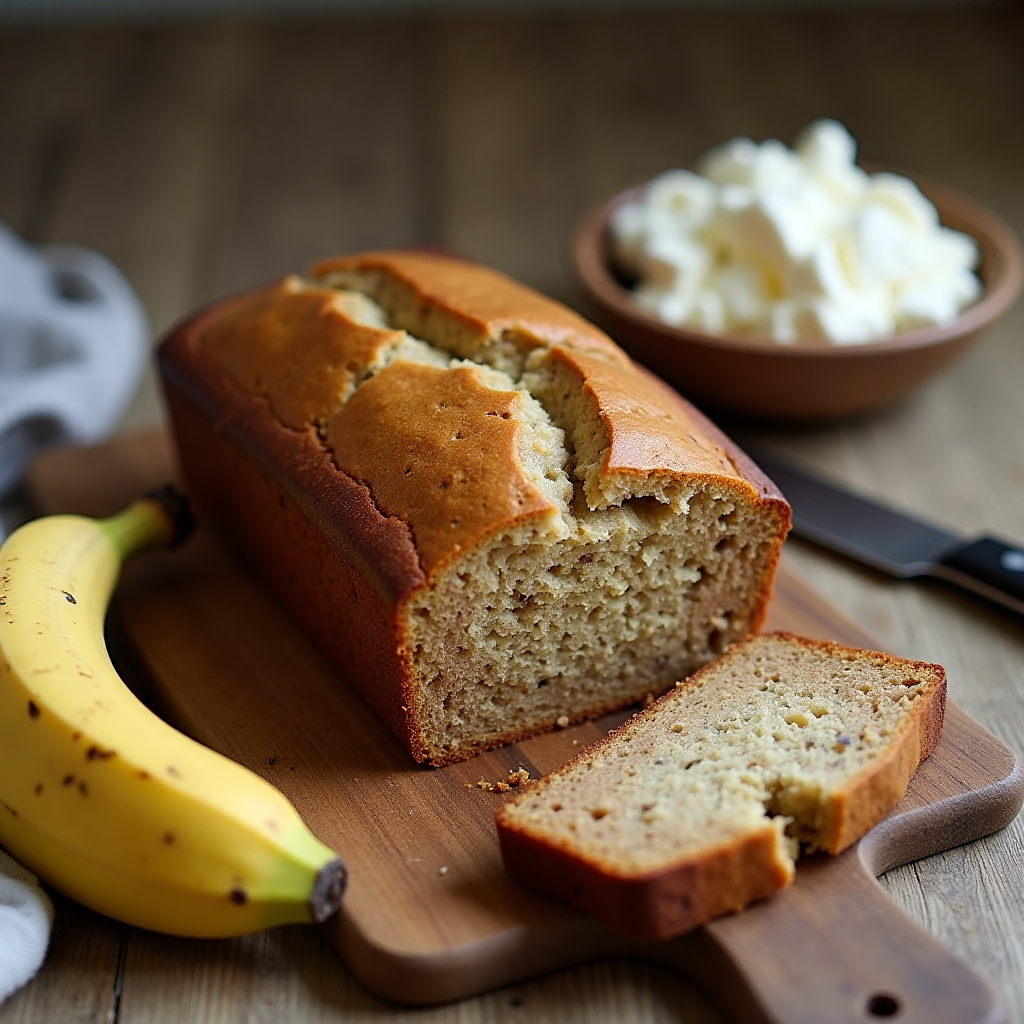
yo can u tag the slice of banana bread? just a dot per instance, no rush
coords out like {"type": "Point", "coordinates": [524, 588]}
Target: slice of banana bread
{"type": "Point", "coordinates": [698, 805]}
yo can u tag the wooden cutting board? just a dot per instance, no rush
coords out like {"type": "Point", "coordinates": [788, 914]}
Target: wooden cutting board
{"type": "Point", "coordinates": [430, 915]}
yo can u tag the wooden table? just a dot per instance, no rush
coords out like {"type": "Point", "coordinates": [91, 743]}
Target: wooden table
{"type": "Point", "coordinates": [205, 157]}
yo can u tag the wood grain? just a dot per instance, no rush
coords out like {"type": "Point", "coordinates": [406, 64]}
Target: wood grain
{"type": "Point", "coordinates": [84, 960]}
{"type": "Point", "coordinates": [147, 142]}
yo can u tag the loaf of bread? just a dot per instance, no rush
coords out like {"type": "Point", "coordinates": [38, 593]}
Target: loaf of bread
{"type": "Point", "coordinates": [484, 513]}
{"type": "Point", "coordinates": [697, 806]}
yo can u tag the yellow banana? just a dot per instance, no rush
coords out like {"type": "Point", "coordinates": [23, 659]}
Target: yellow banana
{"type": "Point", "coordinates": [103, 799]}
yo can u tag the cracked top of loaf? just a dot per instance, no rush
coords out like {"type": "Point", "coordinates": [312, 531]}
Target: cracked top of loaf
{"type": "Point", "coordinates": [469, 404]}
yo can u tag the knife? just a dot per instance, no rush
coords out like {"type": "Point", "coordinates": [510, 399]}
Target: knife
{"type": "Point", "coordinates": [896, 543]}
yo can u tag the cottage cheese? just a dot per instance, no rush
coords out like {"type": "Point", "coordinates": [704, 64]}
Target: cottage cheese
{"type": "Point", "coordinates": [798, 245]}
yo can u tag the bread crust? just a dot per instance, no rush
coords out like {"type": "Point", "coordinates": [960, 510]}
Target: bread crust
{"type": "Point", "coordinates": [654, 906]}
{"type": "Point", "coordinates": [344, 536]}
{"type": "Point", "coordinates": [665, 903]}
{"type": "Point", "coordinates": [313, 534]}
{"type": "Point", "coordinates": [455, 479]}
{"type": "Point", "coordinates": [475, 302]}
{"type": "Point", "coordinates": [881, 786]}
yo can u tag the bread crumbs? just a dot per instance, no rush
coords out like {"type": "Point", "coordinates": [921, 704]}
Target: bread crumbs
{"type": "Point", "coordinates": [516, 778]}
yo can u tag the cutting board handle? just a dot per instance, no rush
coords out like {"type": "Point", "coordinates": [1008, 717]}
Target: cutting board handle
{"type": "Point", "coordinates": [832, 949]}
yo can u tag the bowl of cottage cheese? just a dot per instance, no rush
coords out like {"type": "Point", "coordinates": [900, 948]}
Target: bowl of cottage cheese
{"type": "Point", "coordinates": [792, 283]}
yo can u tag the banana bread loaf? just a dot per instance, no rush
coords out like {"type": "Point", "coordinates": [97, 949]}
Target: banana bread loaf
{"type": "Point", "coordinates": [698, 805]}
{"type": "Point", "coordinates": [485, 514]}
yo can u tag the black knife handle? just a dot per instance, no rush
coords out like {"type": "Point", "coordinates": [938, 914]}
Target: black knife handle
{"type": "Point", "coordinates": [989, 567]}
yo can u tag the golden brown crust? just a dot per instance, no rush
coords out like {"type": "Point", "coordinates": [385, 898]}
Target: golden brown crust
{"type": "Point", "coordinates": [302, 349]}
{"type": "Point", "coordinates": [451, 469]}
{"type": "Point", "coordinates": [743, 466]}
{"type": "Point", "coordinates": [299, 347]}
{"type": "Point", "coordinates": [655, 906]}
{"type": "Point", "coordinates": [476, 301]}
{"type": "Point", "coordinates": [649, 432]}
{"type": "Point", "coordinates": [667, 902]}
{"type": "Point", "coordinates": [310, 532]}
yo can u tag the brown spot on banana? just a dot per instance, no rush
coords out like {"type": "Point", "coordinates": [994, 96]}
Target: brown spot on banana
{"type": "Point", "coordinates": [33, 709]}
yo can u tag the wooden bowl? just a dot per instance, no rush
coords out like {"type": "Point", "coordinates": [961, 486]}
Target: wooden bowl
{"type": "Point", "coordinates": [800, 383]}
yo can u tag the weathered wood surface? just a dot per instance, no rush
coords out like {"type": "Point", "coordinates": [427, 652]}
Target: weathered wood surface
{"type": "Point", "coordinates": [203, 158]}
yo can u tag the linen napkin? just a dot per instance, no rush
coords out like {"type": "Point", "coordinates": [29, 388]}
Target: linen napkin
{"type": "Point", "coordinates": [73, 340]}
{"type": "Point", "coordinates": [26, 915]}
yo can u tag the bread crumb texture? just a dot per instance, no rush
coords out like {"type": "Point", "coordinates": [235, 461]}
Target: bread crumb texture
{"type": "Point", "coordinates": [586, 538]}
{"type": "Point", "coordinates": [517, 778]}
{"type": "Point", "coordinates": [807, 742]}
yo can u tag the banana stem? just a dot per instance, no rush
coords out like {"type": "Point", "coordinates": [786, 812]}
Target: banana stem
{"type": "Point", "coordinates": [159, 519]}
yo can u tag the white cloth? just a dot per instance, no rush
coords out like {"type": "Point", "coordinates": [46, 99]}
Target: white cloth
{"type": "Point", "coordinates": [26, 916]}
{"type": "Point", "coordinates": [72, 348]}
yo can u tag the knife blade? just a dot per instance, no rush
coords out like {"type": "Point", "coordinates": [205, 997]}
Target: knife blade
{"type": "Point", "coordinates": [895, 542]}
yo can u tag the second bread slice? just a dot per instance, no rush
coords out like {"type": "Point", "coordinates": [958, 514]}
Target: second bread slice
{"type": "Point", "coordinates": [698, 805]}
